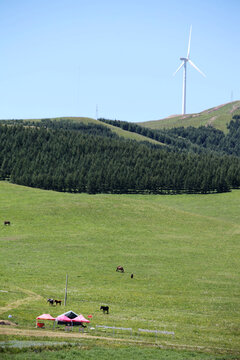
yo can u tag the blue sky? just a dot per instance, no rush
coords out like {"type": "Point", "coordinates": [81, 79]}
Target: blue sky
{"type": "Point", "coordinates": [65, 57]}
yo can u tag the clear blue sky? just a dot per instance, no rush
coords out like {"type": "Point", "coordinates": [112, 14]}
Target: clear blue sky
{"type": "Point", "coordinates": [64, 57]}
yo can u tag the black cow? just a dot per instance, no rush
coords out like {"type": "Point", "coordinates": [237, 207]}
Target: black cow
{"type": "Point", "coordinates": [105, 309]}
{"type": "Point", "coordinates": [7, 223]}
{"type": "Point", "coordinates": [50, 301]}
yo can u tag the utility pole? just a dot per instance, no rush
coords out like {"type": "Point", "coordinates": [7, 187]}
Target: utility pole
{"type": "Point", "coordinates": [65, 299]}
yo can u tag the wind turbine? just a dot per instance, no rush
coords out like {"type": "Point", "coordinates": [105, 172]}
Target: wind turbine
{"type": "Point", "coordinates": [184, 65]}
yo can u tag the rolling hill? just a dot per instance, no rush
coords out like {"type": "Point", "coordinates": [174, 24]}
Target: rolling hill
{"type": "Point", "coordinates": [94, 156]}
{"type": "Point", "coordinates": [63, 156]}
{"type": "Point", "coordinates": [90, 121]}
{"type": "Point", "coordinates": [217, 117]}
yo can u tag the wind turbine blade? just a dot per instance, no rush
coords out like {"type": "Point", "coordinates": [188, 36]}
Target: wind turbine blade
{"type": "Point", "coordinates": [189, 42]}
{"type": "Point", "coordinates": [190, 62]}
{"type": "Point", "coordinates": [178, 68]}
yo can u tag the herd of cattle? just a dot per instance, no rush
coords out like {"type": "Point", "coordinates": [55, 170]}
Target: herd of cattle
{"type": "Point", "coordinates": [51, 301]}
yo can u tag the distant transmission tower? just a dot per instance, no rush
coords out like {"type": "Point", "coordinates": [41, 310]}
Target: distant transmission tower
{"type": "Point", "coordinates": [232, 96]}
{"type": "Point", "coordinates": [96, 112]}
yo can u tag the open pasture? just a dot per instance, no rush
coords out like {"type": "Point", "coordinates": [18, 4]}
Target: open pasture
{"type": "Point", "coordinates": [183, 251]}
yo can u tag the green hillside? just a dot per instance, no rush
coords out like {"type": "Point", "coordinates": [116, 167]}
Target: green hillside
{"type": "Point", "coordinates": [183, 251]}
{"type": "Point", "coordinates": [91, 159]}
{"type": "Point", "coordinates": [120, 132]}
{"type": "Point", "coordinates": [217, 117]}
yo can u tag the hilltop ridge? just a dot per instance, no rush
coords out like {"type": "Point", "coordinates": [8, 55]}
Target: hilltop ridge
{"type": "Point", "coordinates": [218, 117]}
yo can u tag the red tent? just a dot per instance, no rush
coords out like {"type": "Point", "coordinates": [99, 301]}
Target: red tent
{"type": "Point", "coordinates": [63, 318]}
{"type": "Point", "coordinates": [80, 318]}
{"type": "Point", "coordinates": [45, 317]}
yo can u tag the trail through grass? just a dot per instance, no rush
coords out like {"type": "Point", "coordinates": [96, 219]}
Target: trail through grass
{"type": "Point", "coordinates": [32, 297]}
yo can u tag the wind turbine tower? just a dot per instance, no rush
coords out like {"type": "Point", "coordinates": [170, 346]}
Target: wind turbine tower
{"type": "Point", "coordinates": [186, 60]}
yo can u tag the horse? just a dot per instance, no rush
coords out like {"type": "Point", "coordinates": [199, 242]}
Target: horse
{"type": "Point", "coordinates": [58, 302]}
{"type": "Point", "coordinates": [105, 309]}
{"type": "Point", "coordinates": [120, 268]}
{"type": "Point", "coordinates": [7, 223]}
{"type": "Point", "coordinates": [50, 301]}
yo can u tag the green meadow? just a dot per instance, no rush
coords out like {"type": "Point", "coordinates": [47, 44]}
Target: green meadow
{"type": "Point", "coordinates": [182, 249]}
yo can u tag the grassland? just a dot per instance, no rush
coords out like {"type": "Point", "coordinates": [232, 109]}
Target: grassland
{"type": "Point", "coordinates": [183, 251]}
{"type": "Point", "coordinates": [217, 117]}
{"type": "Point", "coordinates": [87, 350]}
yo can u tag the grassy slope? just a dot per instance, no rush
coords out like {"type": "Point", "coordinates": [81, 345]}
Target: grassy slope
{"type": "Point", "coordinates": [183, 251]}
{"type": "Point", "coordinates": [217, 117]}
{"type": "Point", "coordinates": [117, 130]}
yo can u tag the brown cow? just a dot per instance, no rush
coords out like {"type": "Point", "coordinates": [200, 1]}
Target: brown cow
{"type": "Point", "coordinates": [120, 268]}
{"type": "Point", "coordinates": [58, 302]}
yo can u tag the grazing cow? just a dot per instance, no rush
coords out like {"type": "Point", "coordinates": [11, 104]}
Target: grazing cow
{"type": "Point", "coordinates": [7, 223]}
{"type": "Point", "coordinates": [50, 301]}
{"type": "Point", "coordinates": [58, 302]}
{"type": "Point", "coordinates": [120, 268]}
{"type": "Point", "coordinates": [131, 276]}
{"type": "Point", "coordinates": [105, 309]}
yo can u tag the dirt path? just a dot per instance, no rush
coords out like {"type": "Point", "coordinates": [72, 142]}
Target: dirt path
{"type": "Point", "coordinates": [32, 297]}
{"type": "Point", "coordinates": [54, 334]}
{"type": "Point", "coordinates": [211, 120]}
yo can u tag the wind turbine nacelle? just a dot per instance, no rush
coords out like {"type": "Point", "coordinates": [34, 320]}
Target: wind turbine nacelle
{"type": "Point", "coordinates": [184, 59]}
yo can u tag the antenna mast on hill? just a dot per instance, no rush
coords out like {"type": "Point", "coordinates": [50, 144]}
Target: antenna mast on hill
{"type": "Point", "coordinates": [185, 60]}
{"type": "Point", "coordinates": [96, 112]}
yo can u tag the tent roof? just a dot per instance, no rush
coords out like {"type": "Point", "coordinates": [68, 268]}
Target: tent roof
{"type": "Point", "coordinates": [63, 318]}
{"type": "Point", "coordinates": [81, 318]}
{"type": "Point", "coordinates": [45, 317]}
{"type": "Point", "coordinates": [70, 314]}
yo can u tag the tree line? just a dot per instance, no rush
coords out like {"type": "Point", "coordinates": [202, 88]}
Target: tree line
{"type": "Point", "coordinates": [77, 161]}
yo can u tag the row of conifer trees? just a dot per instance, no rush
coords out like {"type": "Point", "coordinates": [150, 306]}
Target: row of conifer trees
{"type": "Point", "coordinates": [78, 161]}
